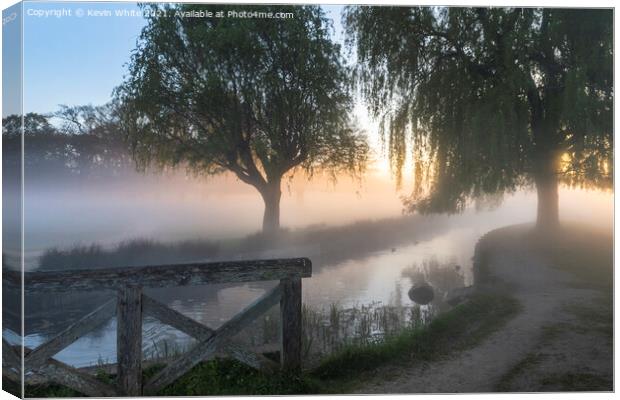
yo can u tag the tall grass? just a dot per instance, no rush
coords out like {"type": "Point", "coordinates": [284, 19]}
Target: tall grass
{"type": "Point", "coordinates": [165, 349]}
{"type": "Point", "coordinates": [128, 253]}
{"type": "Point", "coordinates": [325, 332]}
{"type": "Point", "coordinates": [337, 243]}
{"type": "Point", "coordinates": [462, 327]}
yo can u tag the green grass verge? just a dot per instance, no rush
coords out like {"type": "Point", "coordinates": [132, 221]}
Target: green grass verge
{"type": "Point", "coordinates": [222, 377]}
{"type": "Point", "coordinates": [51, 390]}
{"type": "Point", "coordinates": [583, 251]}
{"type": "Point", "coordinates": [577, 382]}
{"type": "Point", "coordinates": [460, 328]}
{"type": "Point", "coordinates": [218, 377]}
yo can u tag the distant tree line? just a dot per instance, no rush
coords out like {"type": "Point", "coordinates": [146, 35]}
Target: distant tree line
{"type": "Point", "coordinates": [83, 141]}
{"type": "Point", "coordinates": [486, 101]}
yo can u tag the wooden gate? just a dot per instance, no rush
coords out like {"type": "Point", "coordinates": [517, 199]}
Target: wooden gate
{"type": "Point", "coordinates": [131, 305]}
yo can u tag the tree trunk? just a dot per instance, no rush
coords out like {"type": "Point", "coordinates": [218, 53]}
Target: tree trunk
{"type": "Point", "coordinates": [271, 196]}
{"type": "Point", "coordinates": [546, 179]}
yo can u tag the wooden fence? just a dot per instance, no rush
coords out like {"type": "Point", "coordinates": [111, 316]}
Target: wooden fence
{"type": "Point", "coordinates": [131, 305]}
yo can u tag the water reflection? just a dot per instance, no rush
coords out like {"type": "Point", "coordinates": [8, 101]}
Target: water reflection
{"type": "Point", "coordinates": [442, 278]}
{"type": "Point", "coordinates": [369, 294]}
{"type": "Point", "coordinates": [361, 276]}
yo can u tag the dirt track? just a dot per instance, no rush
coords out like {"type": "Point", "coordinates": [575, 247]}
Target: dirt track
{"type": "Point", "coordinates": [546, 347]}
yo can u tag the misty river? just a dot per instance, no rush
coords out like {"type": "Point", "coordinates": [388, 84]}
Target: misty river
{"type": "Point", "coordinates": [440, 252]}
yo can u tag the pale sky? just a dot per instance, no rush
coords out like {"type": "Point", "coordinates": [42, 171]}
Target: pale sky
{"type": "Point", "coordinates": [72, 57]}
{"type": "Point", "coordinates": [79, 60]}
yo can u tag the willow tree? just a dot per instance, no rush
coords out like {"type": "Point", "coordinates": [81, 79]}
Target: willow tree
{"type": "Point", "coordinates": [490, 100]}
{"type": "Point", "coordinates": [259, 97]}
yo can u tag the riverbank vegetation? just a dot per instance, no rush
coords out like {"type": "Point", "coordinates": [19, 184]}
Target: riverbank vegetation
{"type": "Point", "coordinates": [336, 243]}
{"type": "Point", "coordinates": [462, 327]}
{"type": "Point", "coordinates": [458, 329]}
{"type": "Point", "coordinates": [584, 251]}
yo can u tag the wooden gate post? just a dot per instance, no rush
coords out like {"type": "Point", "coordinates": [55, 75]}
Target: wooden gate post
{"type": "Point", "coordinates": [290, 321]}
{"type": "Point", "coordinates": [129, 340]}
{"type": "Point", "coordinates": [131, 305]}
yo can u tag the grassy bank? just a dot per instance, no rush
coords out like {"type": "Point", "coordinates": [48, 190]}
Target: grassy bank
{"type": "Point", "coordinates": [586, 254]}
{"type": "Point", "coordinates": [583, 251]}
{"type": "Point", "coordinates": [458, 329]}
{"type": "Point", "coordinates": [336, 243]}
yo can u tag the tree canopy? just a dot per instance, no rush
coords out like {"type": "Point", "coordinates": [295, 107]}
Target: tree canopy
{"type": "Point", "coordinates": [258, 97]}
{"type": "Point", "coordinates": [489, 100]}
{"type": "Point", "coordinates": [85, 141]}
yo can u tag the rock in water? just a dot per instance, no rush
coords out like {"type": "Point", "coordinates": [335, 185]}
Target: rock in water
{"type": "Point", "coordinates": [422, 294]}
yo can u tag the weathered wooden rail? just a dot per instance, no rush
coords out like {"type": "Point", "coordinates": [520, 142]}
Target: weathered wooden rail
{"type": "Point", "coordinates": [132, 304]}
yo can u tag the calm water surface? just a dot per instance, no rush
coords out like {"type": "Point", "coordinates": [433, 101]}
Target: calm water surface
{"type": "Point", "coordinates": [383, 277]}
{"type": "Point", "coordinates": [443, 259]}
